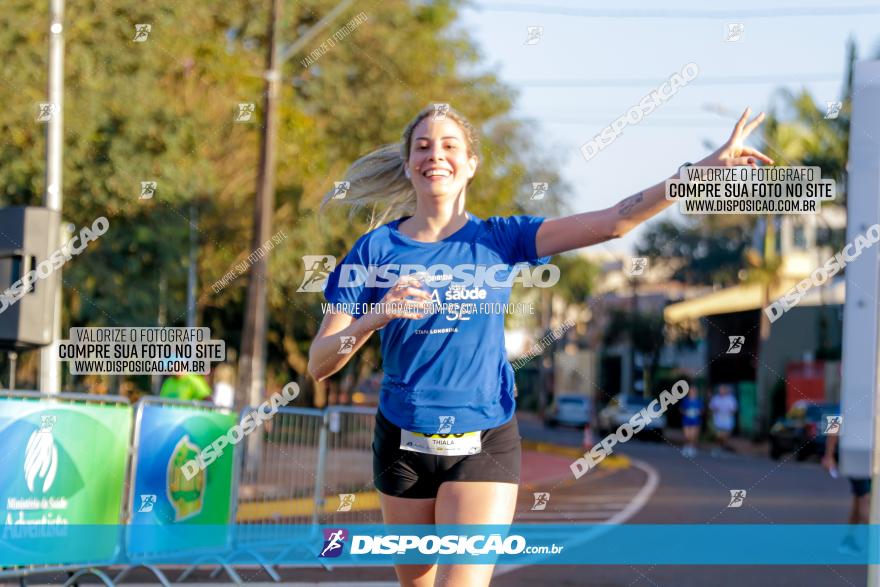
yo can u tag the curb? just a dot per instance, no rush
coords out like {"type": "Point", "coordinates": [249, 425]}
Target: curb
{"type": "Point", "coordinates": [303, 506]}
{"type": "Point", "coordinates": [613, 462]}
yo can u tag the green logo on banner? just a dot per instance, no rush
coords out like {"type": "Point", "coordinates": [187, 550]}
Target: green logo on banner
{"type": "Point", "coordinates": [41, 456]}
{"type": "Point", "coordinates": [186, 496]}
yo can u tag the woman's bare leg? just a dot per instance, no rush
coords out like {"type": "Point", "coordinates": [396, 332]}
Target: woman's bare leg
{"type": "Point", "coordinates": [401, 510]}
{"type": "Point", "coordinates": [472, 502]}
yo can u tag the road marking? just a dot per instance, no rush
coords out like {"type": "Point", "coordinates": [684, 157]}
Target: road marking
{"type": "Point", "coordinates": [596, 516]}
{"type": "Point", "coordinates": [620, 499]}
{"type": "Point", "coordinates": [553, 517]}
{"type": "Point", "coordinates": [637, 503]}
{"type": "Point", "coordinates": [643, 495]}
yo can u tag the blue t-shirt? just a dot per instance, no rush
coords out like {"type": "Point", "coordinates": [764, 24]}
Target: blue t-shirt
{"type": "Point", "coordinates": [452, 362]}
{"type": "Point", "coordinates": [691, 411]}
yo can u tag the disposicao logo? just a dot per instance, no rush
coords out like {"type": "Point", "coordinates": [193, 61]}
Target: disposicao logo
{"type": "Point", "coordinates": [334, 540]}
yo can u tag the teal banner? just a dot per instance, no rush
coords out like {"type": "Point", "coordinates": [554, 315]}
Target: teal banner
{"type": "Point", "coordinates": [62, 463]}
{"type": "Point", "coordinates": [183, 475]}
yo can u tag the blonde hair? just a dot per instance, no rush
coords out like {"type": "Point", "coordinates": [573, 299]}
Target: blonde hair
{"type": "Point", "coordinates": [378, 178]}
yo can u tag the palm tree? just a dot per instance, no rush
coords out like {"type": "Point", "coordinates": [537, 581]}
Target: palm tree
{"type": "Point", "coordinates": [807, 138]}
{"type": "Point", "coordinates": [764, 269]}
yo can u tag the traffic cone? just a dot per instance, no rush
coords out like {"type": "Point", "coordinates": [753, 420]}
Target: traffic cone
{"type": "Point", "coordinates": [588, 437]}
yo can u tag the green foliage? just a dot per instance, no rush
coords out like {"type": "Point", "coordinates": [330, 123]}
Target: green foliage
{"type": "Point", "coordinates": [710, 250]}
{"type": "Point", "coordinates": [577, 278]}
{"type": "Point", "coordinates": [645, 330]}
{"type": "Point", "coordinates": [162, 110]}
{"type": "Point", "coordinates": [703, 251]}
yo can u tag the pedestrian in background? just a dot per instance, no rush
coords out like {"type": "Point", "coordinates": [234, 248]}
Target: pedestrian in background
{"type": "Point", "coordinates": [691, 421]}
{"type": "Point", "coordinates": [224, 391]}
{"type": "Point", "coordinates": [186, 386]}
{"type": "Point", "coordinates": [860, 487]}
{"type": "Point", "coordinates": [724, 407]}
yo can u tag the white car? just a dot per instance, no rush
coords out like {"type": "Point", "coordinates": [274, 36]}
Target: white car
{"type": "Point", "coordinates": [570, 409]}
{"type": "Point", "coordinates": [621, 408]}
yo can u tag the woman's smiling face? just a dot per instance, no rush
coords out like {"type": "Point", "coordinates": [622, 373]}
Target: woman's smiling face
{"type": "Point", "coordinates": [439, 162]}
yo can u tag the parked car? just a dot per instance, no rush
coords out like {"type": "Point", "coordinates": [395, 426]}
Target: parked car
{"type": "Point", "coordinates": [621, 408]}
{"type": "Point", "coordinates": [570, 409]}
{"type": "Point", "coordinates": [801, 430]}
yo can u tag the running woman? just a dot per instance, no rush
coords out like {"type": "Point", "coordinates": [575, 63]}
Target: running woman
{"type": "Point", "coordinates": [446, 448]}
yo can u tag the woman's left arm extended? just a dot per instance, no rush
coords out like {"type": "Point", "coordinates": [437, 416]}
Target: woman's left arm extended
{"type": "Point", "coordinates": [557, 235]}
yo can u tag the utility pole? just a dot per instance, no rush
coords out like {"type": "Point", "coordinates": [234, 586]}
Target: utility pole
{"type": "Point", "coordinates": [762, 374]}
{"type": "Point", "coordinates": [50, 368]}
{"type": "Point", "coordinates": [545, 364]}
{"type": "Point", "coordinates": [252, 362]}
{"type": "Point", "coordinates": [192, 274]}
{"type": "Point", "coordinates": [630, 388]}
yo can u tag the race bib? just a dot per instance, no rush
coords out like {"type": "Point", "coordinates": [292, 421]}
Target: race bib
{"type": "Point", "coordinates": [447, 445]}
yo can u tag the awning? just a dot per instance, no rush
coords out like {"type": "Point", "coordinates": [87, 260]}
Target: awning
{"type": "Point", "coordinates": [747, 296]}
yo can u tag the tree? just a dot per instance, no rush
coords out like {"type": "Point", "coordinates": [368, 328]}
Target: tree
{"type": "Point", "coordinates": [164, 110]}
{"type": "Point", "coordinates": [808, 138]}
{"type": "Point", "coordinates": [705, 251]}
{"type": "Point", "coordinates": [712, 250]}
{"type": "Point", "coordinates": [645, 331]}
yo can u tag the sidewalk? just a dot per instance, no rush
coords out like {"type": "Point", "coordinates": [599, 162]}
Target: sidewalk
{"type": "Point", "coordinates": [543, 468]}
{"type": "Point", "coordinates": [548, 456]}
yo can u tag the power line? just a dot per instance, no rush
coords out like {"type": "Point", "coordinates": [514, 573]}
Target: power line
{"type": "Point", "coordinates": [682, 13]}
{"type": "Point", "coordinates": [700, 81]}
{"type": "Point", "coordinates": [652, 122]}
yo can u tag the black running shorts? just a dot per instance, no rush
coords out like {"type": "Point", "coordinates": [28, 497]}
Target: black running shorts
{"type": "Point", "coordinates": [860, 486]}
{"type": "Point", "coordinates": [404, 473]}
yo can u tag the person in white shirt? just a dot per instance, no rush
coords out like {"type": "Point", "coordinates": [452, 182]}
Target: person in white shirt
{"type": "Point", "coordinates": [224, 392]}
{"type": "Point", "coordinates": [724, 407]}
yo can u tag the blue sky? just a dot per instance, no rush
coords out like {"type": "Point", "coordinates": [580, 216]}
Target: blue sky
{"type": "Point", "coordinates": [589, 68]}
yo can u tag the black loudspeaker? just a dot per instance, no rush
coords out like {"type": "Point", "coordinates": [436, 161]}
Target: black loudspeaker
{"type": "Point", "coordinates": [28, 235]}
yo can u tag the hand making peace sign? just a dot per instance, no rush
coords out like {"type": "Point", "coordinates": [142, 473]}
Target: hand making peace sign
{"type": "Point", "coordinates": [734, 152]}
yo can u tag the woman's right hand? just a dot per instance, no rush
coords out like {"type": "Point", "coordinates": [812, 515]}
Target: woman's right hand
{"type": "Point", "coordinates": [829, 462]}
{"type": "Point", "coordinates": [398, 302]}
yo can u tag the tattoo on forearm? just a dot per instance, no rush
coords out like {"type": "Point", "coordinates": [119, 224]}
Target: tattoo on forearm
{"type": "Point", "coordinates": [626, 207]}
